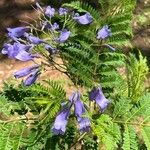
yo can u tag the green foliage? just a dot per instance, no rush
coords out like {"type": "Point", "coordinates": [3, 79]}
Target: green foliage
{"type": "Point", "coordinates": [108, 132]}
{"type": "Point", "coordinates": [146, 136]}
{"type": "Point", "coordinates": [130, 139]}
{"type": "Point", "coordinates": [27, 113]}
{"type": "Point", "coordinates": [137, 71]}
{"type": "Point", "coordinates": [28, 129]}
{"type": "Point", "coordinates": [132, 119]}
{"type": "Point", "coordinates": [90, 143]}
{"type": "Point", "coordinates": [90, 61]}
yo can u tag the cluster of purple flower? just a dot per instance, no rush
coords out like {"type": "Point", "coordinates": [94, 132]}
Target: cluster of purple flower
{"type": "Point", "coordinates": [22, 52]}
{"type": "Point", "coordinates": [96, 94]}
{"type": "Point", "coordinates": [21, 49]}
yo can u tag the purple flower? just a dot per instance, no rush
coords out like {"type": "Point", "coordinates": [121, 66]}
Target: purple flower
{"type": "Point", "coordinates": [62, 11]}
{"type": "Point", "coordinates": [33, 39]}
{"type": "Point", "coordinates": [25, 56]}
{"type": "Point", "coordinates": [50, 49]}
{"type": "Point", "coordinates": [25, 71]}
{"type": "Point", "coordinates": [32, 78]}
{"type": "Point", "coordinates": [79, 107]}
{"type": "Point", "coordinates": [18, 51]}
{"type": "Point", "coordinates": [16, 32]}
{"type": "Point", "coordinates": [84, 19]}
{"type": "Point", "coordinates": [49, 11]}
{"type": "Point", "coordinates": [104, 32]}
{"type": "Point", "coordinates": [64, 35]}
{"type": "Point", "coordinates": [112, 48]}
{"type": "Point", "coordinates": [84, 124]}
{"type": "Point", "coordinates": [46, 25]}
{"type": "Point", "coordinates": [97, 95]}
{"type": "Point", "coordinates": [55, 26]}
{"type": "Point", "coordinates": [60, 123]}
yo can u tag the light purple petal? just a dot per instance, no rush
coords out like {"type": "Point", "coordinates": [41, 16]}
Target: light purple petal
{"type": "Point", "coordinates": [33, 39]}
{"type": "Point", "coordinates": [15, 50]}
{"type": "Point", "coordinates": [50, 49]}
{"type": "Point", "coordinates": [84, 124]}
{"type": "Point", "coordinates": [62, 11]}
{"type": "Point", "coordinates": [97, 95]}
{"type": "Point", "coordinates": [49, 11]}
{"type": "Point", "coordinates": [55, 26]}
{"type": "Point", "coordinates": [32, 78]}
{"type": "Point", "coordinates": [64, 35]}
{"type": "Point", "coordinates": [24, 56]}
{"type": "Point", "coordinates": [79, 106]}
{"type": "Point", "coordinates": [104, 32]}
{"type": "Point", "coordinates": [59, 126]}
{"type": "Point", "coordinates": [16, 32]}
{"type": "Point", "coordinates": [25, 71]}
{"type": "Point", "coordinates": [84, 19]}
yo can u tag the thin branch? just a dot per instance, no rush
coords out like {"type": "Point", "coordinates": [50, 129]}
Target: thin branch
{"type": "Point", "coordinates": [132, 123]}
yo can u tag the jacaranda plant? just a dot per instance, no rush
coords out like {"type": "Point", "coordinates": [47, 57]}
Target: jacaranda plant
{"type": "Point", "coordinates": [84, 44]}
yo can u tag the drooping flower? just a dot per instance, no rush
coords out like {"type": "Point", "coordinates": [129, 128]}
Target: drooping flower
{"type": "Point", "coordinates": [104, 32]}
{"type": "Point", "coordinates": [84, 122]}
{"type": "Point", "coordinates": [50, 49]}
{"type": "Point", "coordinates": [25, 71]}
{"type": "Point", "coordinates": [33, 39]}
{"type": "Point", "coordinates": [32, 78]}
{"type": "Point", "coordinates": [64, 35]}
{"type": "Point", "coordinates": [49, 11]}
{"type": "Point", "coordinates": [62, 11]}
{"type": "Point", "coordinates": [16, 32]}
{"type": "Point", "coordinates": [84, 19]}
{"type": "Point", "coordinates": [112, 48]}
{"type": "Point", "coordinates": [59, 126]}
{"type": "Point", "coordinates": [18, 51]}
{"type": "Point", "coordinates": [97, 95]}
{"type": "Point", "coordinates": [79, 107]}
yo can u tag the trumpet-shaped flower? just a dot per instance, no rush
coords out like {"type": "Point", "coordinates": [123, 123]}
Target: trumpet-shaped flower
{"type": "Point", "coordinates": [33, 39]}
{"type": "Point", "coordinates": [25, 71]}
{"type": "Point", "coordinates": [64, 35]}
{"type": "Point", "coordinates": [62, 11]}
{"type": "Point", "coordinates": [49, 11]}
{"type": "Point", "coordinates": [60, 123]}
{"type": "Point", "coordinates": [79, 107]}
{"type": "Point", "coordinates": [18, 51]}
{"type": "Point", "coordinates": [50, 49]}
{"type": "Point", "coordinates": [16, 32]}
{"type": "Point", "coordinates": [84, 124]}
{"type": "Point", "coordinates": [104, 32]}
{"type": "Point", "coordinates": [31, 78]}
{"type": "Point", "coordinates": [84, 19]}
{"type": "Point", "coordinates": [97, 95]}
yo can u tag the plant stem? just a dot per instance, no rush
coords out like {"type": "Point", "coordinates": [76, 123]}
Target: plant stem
{"type": "Point", "coordinates": [132, 123]}
{"type": "Point", "coordinates": [79, 139]}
